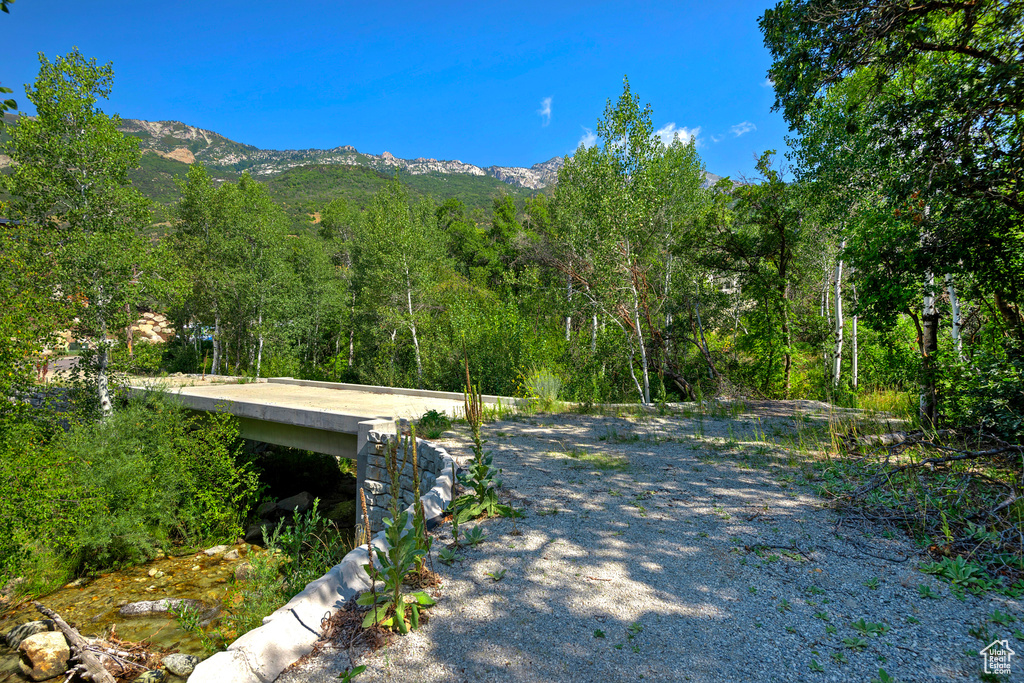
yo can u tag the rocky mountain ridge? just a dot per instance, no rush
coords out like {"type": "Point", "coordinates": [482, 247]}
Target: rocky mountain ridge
{"type": "Point", "coordinates": [182, 142]}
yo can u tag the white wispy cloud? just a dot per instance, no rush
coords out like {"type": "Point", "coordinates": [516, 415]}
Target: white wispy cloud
{"type": "Point", "coordinates": [545, 111]}
{"type": "Point", "coordinates": [669, 132]}
{"type": "Point", "coordinates": [717, 138]}
{"type": "Point", "coordinates": [588, 139]}
{"type": "Point", "coordinates": [743, 128]}
{"type": "Point", "coordinates": [768, 83]}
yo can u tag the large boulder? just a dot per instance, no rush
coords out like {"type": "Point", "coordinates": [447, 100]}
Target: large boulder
{"type": "Point", "coordinates": [44, 655]}
{"type": "Point", "coordinates": [300, 501]}
{"type": "Point", "coordinates": [29, 628]}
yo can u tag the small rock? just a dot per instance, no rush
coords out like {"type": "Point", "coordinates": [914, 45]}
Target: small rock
{"type": "Point", "coordinates": [300, 501]}
{"type": "Point", "coordinates": [180, 664]}
{"type": "Point", "coordinates": [23, 631]}
{"type": "Point", "coordinates": [243, 572]}
{"type": "Point", "coordinates": [151, 676]}
{"type": "Point", "coordinates": [155, 573]}
{"type": "Point", "coordinates": [231, 555]}
{"type": "Point", "coordinates": [44, 655]}
{"type": "Point", "coordinates": [215, 550]}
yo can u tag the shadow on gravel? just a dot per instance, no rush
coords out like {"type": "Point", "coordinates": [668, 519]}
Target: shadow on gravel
{"type": "Point", "coordinates": [702, 560]}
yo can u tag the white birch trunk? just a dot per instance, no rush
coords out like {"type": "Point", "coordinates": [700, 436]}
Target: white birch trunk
{"type": "Point", "coordinates": [954, 303]}
{"type": "Point", "coordinates": [259, 352]}
{"type": "Point", "coordinates": [593, 334]}
{"type": "Point", "coordinates": [214, 367]}
{"type": "Point", "coordinates": [837, 351]}
{"type": "Point", "coordinates": [352, 332]}
{"type": "Point", "coordinates": [102, 379]}
{"type": "Point", "coordinates": [412, 328]}
{"type": "Point", "coordinates": [853, 350]}
{"type": "Point", "coordinates": [568, 318]}
{"type": "Point", "coordinates": [645, 394]}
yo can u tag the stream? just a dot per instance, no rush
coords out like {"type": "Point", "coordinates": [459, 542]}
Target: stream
{"type": "Point", "coordinates": [92, 605]}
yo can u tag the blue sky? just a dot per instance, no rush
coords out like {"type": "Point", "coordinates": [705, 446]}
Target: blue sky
{"type": "Point", "coordinates": [489, 83]}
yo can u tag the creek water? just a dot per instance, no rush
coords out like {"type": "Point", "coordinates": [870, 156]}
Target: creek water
{"type": "Point", "coordinates": [92, 605]}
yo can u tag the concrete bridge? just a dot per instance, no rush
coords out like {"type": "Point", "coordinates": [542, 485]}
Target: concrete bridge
{"type": "Point", "coordinates": [343, 420]}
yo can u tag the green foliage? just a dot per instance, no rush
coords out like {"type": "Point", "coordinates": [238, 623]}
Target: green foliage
{"type": "Point", "coordinates": [70, 183]}
{"type": "Point", "coordinates": [146, 358]}
{"type": "Point", "coordinates": [154, 475]}
{"type": "Point", "coordinates": [475, 536]}
{"type": "Point", "coordinates": [433, 424]}
{"type": "Point", "coordinates": [984, 390]}
{"type": "Point", "coordinates": [424, 541]}
{"type": "Point", "coordinates": [449, 556]}
{"type": "Point", "coordinates": [296, 553]}
{"type": "Point", "coordinates": [480, 477]}
{"type": "Point", "coordinates": [109, 493]}
{"type": "Point", "coordinates": [391, 607]}
{"type": "Point", "coordinates": [869, 628]}
{"type": "Point", "coordinates": [542, 387]}
{"type": "Point", "coordinates": [961, 573]}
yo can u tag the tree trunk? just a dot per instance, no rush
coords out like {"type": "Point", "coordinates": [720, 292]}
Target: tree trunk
{"type": "Point", "coordinates": [593, 335]}
{"type": "Point", "coordinates": [102, 380]}
{"type": "Point", "coordinates": [703, 346]}
{"type": "Point", "coordinates": [837, 351]}
{"type": "Point", "coordinates": [412, 327]}
{"type": "Point", "coordinates": [929, 347]}
{"type": "Point", "coordinates": [128, 337]}
{"type": "Point", "coordinates": [646, 393]}
{"type": "Point", "coordinates": [955, 314]}
{"type": "Point", "coordinates": [787, 357]}
{"type": "Point", "coordinates": [352, 332]}
{"type": "Point", "coordinates": [568, 318]}
{"type": "Point", "coordinates": [853, 350]}
{"type": "Point", "coordinates": [259, 352]}
{"type": "Point", "coordinates": [215, 365]}
{"type": "Point", "coordinates": [102, 363]}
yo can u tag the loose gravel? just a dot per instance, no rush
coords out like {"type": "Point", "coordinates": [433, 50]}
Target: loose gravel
{"type": "Point", "coordinates": [676, 548]}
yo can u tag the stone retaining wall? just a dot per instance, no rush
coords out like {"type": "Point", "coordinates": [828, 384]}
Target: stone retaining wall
{"type": "Point", "coordinates": [431, 460]}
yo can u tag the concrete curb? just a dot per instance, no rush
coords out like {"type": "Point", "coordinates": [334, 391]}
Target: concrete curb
{"type": "Point", "coordinates": [262, 654]}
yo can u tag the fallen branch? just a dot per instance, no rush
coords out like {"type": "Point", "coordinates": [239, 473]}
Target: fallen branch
{"type": "Point", "coordinates": [89, 666]}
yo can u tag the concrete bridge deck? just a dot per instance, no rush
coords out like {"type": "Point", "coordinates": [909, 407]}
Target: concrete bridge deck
{"type": "Point", "coordinates": [325, 417]}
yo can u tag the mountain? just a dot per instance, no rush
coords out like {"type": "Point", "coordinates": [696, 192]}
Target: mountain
{"type": "Point", "coordinates": [303, 180]}
{"type": "Point", "coordinates": [180, 142]}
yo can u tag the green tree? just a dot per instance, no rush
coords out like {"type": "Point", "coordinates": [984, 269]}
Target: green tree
{"type": "Point", "coordinates": [620, 208]}
{"type": "Point", "coordinates": [339, 225]}
{"type": "Point", "coordinates": [867, 86]}
{"type": "Point", "coordinates": [70, 182]}
{"type": "Point", "coordinates": [759, 244]}
{"type": "Point", "coordinates": [397, 260]}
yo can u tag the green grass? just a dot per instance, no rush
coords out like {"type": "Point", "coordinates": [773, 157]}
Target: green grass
{"type": "Point", "coordinates": [597, 461]}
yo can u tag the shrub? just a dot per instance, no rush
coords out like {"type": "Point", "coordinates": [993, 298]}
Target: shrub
{"type": "Point", "coordinates": [146, 358]}
{"type": "Point", "coordinates": [543, 386]}
{"type": "Point", "coordinates": [433, 424]}
{"type": "Point", "coordinates": [985, 390]}
{"type": "Point", "coordinates": [152, 475]}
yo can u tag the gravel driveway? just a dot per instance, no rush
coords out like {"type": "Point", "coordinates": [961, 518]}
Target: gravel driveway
{"type": "Point", "coordinates": [677, 549]}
